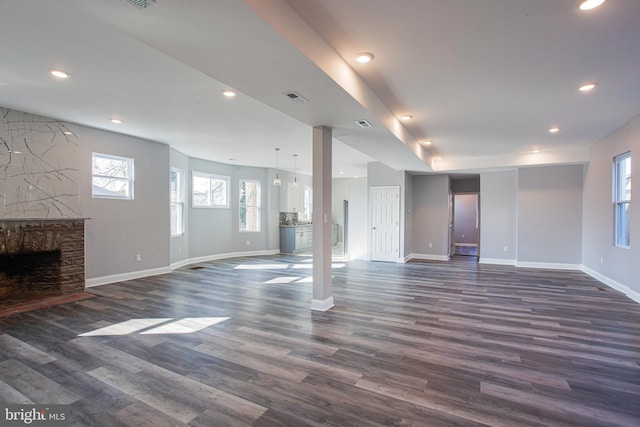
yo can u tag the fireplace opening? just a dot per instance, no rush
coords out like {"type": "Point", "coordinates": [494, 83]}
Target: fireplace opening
{"type": "Point", "coordinates": [28, 275]}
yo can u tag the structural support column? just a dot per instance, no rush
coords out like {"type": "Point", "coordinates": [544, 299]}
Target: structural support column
{"type": "Point", "coordinates": [322, 299]}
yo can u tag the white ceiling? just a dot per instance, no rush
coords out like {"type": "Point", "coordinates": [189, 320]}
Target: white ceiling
{"type": "Point", "coordinates": [484, 79]}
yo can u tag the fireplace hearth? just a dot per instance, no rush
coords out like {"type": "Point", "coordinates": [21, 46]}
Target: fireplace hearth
{"type": "Point", "coordinates": [41, 257]}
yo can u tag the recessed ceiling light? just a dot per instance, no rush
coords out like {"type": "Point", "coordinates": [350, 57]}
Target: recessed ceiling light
{"type": "Point", "coordinates": [537, 150]}
{"type": "Point", "coordinates": [115, 121]}
{"type": "Point", "coordinates": [67, 132]}
{"type": "Point", "coordinates": [364, 57]}
{"type": "Point", "coordinates": [437, 158]}
{"type": "Point", "coordinates": [554, 129]}
{"type": "Point", "coordinates": [588, 87]}
{"type": "Point", "coordinates": [59, 74]}
{"type": "Point", "coordinates": [406, 117]}
{"type": "Point", "coordinates": [228, 93]}
{"type": "Point", "coordinates": [590, 4]}
{"type": "Point", "coordinates": [15, 152]}
{"type": "Point", "coordinates": [341, 172]}
{"type": "Point", "coordinates": [427, 142]}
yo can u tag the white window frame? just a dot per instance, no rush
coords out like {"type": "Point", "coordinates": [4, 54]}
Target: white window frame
{"type": "Point", "coordinates": [307, 204]}
{"type": "Point", "coordinates": [211, 177]}
{"type": "Point", "coordinates": [621, 201]}
{"type": "Point", "coordinates": [128, 179]}
{"type": "Point", "coordinates": [178, 204]}
{"type": "Point", "coordinates": [257, 206]}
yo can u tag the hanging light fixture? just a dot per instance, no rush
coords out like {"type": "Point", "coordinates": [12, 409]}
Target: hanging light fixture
{"type": "Point", "coordinates": [277, 182]}
{"type": "Point", "coordinates": [295, 171]}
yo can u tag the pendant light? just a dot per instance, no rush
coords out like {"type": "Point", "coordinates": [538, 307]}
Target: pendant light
{"type": "Point", "coordinates": [295, 171]}
{"type": "Point", "coordinates": [277, 182]}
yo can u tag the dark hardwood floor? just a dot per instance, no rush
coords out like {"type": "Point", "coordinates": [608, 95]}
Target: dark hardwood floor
{"type": "Point", "coordinates": [419, 344]}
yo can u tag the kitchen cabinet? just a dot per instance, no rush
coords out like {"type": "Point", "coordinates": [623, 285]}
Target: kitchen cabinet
{"type": "Point", "coordinates": [299, 238]}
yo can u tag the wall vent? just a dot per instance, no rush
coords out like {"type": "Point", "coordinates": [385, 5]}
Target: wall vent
{"type": "Point", "coordinates": [363, 123]}
{"type": "Point", "coordinates": [296, 97]}
{"type": "Point", "coordinates": [142, 4]}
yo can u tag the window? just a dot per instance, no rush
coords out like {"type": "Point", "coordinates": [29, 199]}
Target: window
{"type": "Point", "coordinates": [112, 177]}
{"type": "Point", "coordinates": [307, 204]}
{"type": "Point", "coordinates": [210, 191]}
{"type": "Point", "coordinates": [176, 189]}
{"type": "Point", "coordinates": [622, 199]}
{"type": "Point", "coordinates": [249, 205]}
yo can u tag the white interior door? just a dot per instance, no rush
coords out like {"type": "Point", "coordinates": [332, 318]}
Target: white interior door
{"type": "Point", "coordinates": [385, 223]}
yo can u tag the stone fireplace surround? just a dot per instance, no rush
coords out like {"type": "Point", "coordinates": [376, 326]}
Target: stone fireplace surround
{"type": "Point", "coordinates": [41, 257]}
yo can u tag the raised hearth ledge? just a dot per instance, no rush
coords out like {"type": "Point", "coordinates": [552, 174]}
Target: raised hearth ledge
{"type": "Point", "coordinates": [12, 221]}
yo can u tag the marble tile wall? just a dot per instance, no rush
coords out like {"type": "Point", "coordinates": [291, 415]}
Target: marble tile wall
{"type": "Point", "coordinates": [39, 160]}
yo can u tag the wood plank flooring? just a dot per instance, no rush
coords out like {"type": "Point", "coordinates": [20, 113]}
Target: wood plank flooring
{"type": "Point", "coordinates": [233, 343]}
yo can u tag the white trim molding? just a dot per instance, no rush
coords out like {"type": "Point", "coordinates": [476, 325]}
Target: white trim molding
{"type": "Point", "coordinates": [179, 264]}
{"type": "Point", "coordinates": [498, 261]}
{"type": "Point", "coordinates": [428, 257]}
{"type": "Point", "coordinates": [548, 265]}
{"type": "Point", "coordinates": [612, 283]}
{"type": "Point", "coordinates": [322, 305]}
{"type": "Point", "coordinates": [104, 280]}
{"type": "Point", "coordinates": [231, 255]}
{"type": "Point", "coordinates": [114, 278]}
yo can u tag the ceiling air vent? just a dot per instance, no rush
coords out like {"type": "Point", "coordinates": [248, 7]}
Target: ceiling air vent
{"type": "Point", "coordinates": [363, 123]}
{"type": "Point", "coordinates": [142, 4]}
{"type": "Point", "coordinates": [296, 97]}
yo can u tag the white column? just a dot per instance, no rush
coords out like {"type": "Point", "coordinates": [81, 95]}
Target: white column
{"type": "Point", "coordinates": [322, 299]}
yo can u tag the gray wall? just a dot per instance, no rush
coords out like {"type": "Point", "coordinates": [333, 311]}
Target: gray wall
{"type": "Point", "coordinates": [407, 213]}
{"type": "Point", "coordinates": [118, 230]}
{"type": "Point", "coordinates": [599, 253]}
{"type": "Point", "coordinates": [217, 231]}
{"type": "Point", "coordinates": [465, 185]}
{"type": "Point", "coordinates": [431, 215]}
{"type": "Point", "coordinates": [550, 214]}
{"type": "Point", "coordinates": [353, 190]}
{"type": "Point", "coordinates": [339, 193]}
{"type": "Point", "coordinates": [498, 216]}
{"type": "Point", "coordinates": [358, 211]}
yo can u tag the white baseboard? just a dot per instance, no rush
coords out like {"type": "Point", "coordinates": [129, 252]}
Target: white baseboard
{"type": "Point", "coordinates": [179, 264]}
{"type": "Point", "coordinates": [231, 255]}
{"type": "Point", "coordinates": [322, 305]}
{"type": "Point", "coordinates": [548, 265]}
{"type": "Point", "coordinates": [428, 257]}
{"type": "Point", "coordinates": [498, 261]}
{"type": "Point", "coordinates": [104, 280]}
{"type": "Point", "coordinates": [612, 283]}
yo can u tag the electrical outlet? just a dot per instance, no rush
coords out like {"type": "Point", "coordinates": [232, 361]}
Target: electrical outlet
{"type": "Point", "coordinates": [601, 260]}
{"type": "Point", "coordinates": [179, 250]}
{"type": "Point", "coordinates": [430, 245]}
{"type": "Point", "coordinates": [506, 248]}
{"type": "Point", "coordinates": [248, 242]}
{"type": "Point", "coordinates": [138, 257]}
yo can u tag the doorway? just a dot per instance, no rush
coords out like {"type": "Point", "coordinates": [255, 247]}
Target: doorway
{"type": "Point", "coordinates": [465, 229]}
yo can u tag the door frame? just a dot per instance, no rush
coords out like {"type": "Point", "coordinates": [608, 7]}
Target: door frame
{"type": "Point", "coordinates": [371, 226]}
{"type": "Point", "coordinates": [452, 221]}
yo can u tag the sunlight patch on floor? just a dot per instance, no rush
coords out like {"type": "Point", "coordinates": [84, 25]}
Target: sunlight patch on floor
{"type": "Point", "coordinates": [279, 266]}
{"type": "Point", "coordinates": [186, 325]}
